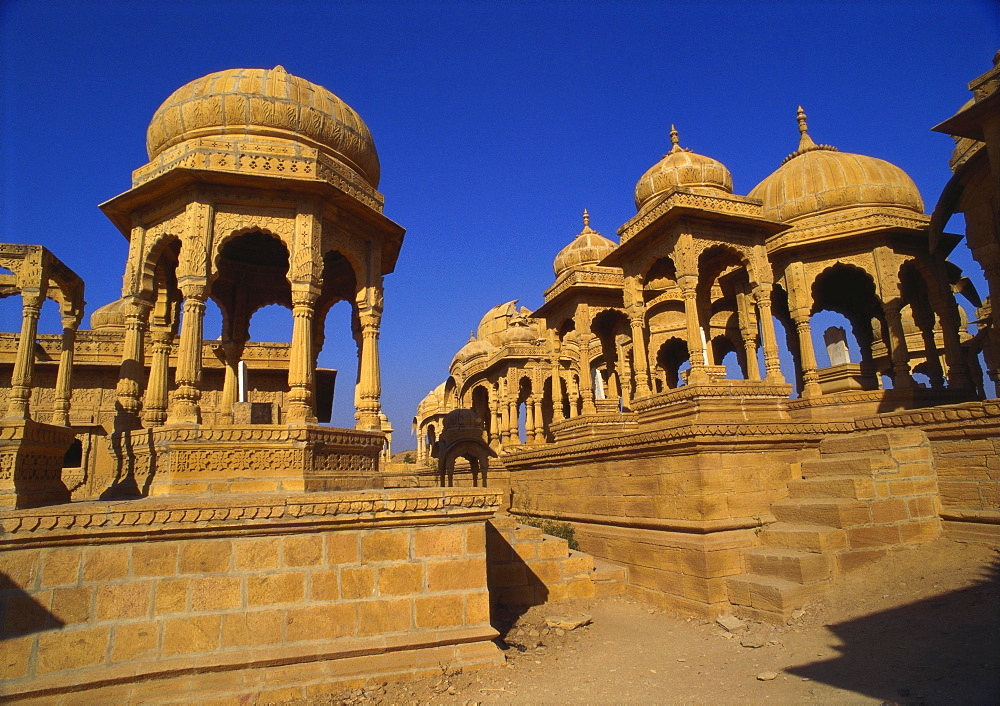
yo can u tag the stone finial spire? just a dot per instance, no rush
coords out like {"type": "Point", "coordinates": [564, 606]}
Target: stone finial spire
{"type": "Point", "coordinates": [675, 140]}
{"type": "Point", "coordinates": [805, 142]}
{"type": "Point", "coordinates": [586, 220]}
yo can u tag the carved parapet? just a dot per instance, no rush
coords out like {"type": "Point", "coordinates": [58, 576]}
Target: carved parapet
{"type": "Point", "coordinates": [183, 459]}
{"type": "Point", "coordinates": [31, 460]}
{"type": "Point", "coordinates": [221, 515]}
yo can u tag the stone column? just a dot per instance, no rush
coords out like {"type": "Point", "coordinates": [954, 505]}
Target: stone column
{"type": "Point", "coordinates": [186, 408]}
{"type": "Point", "coordinates": [64, 387]}
{"type": "Point", "coordinates": [369, 376]}
{"type": "Point", "coordinates": [696, 343]}
{"type": "Point", "coordinates": [991, 271]}
{"type": "Point", "coordinates": [300, 362]}
{"type": "Point", "coordinates": [529, 420]}
{"type": "Point", "coordinates": [772, 364]}
{"type": "Point", "coordinates": [636, 320]}
{"type": "Point", "coordinates": [586, 379]}
{"type": "Point", "coordinates": [24, 364]}
{"type": "Point", "coordinates": [132, 371]}
{"type": "Point", "coordinates": [748, 334]}
{"type": "Point", "coordinates": [574, 400]}
{"type": "Point", "coordinates": [539, 419]}
{"type": "Point", "coordinates": [807, 355]}
{"type": "Point", "coordinates": [557, 392]}
{"type": "Point", "coordinates": [514, 433]}
{"type": "Point", "coordinates": [897, 337]}
{"type": "Point", "coordinates": [154, 407]}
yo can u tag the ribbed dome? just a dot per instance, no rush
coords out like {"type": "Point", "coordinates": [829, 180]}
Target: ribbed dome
{"type": "Point", "coordinates": [588, 248]}
{"type": "Point", "coordinates": [817, 179]}
{"type": "Point", "coordinates": [683, 168]}
{"type": "Point", "coordinates": [267, 103]}
{"type": "Point", "coordinates": [111, 316]}
{"type": "Point", "coordinates": [495, 320]}
{"type": "Point", "coordinates": [472, 349]}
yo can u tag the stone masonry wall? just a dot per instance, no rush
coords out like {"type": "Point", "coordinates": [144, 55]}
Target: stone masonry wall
{"type": "Point", "coordinates": [965, 439]}
{"type": "Point", "coordinates": [268, 600]}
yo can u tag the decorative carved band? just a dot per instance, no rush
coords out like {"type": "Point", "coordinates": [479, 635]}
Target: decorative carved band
{"type": "Point", "coordinates": [246, 512]}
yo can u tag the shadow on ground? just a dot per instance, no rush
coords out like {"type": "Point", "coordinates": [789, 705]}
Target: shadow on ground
{"type": "Point", "coordinates": [884, 655]}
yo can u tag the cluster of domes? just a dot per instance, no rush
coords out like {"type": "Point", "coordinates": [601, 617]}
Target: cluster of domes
{"type": "Point", "coordinates": [268, 104]}
{"type": "Point", "coordinates": [814, 179]}
{"type": "Point", "coordinates": [682, 168]}
{"type": "Point", "coordinates": [588, 248]}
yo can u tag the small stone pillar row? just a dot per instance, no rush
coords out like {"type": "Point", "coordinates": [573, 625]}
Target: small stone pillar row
{"type": "Point", "coordinates": [897, 343]}
{"type": "Point", "coordinates": [636, 311]}
{"type": "Point", "coordinates": [748, 334]}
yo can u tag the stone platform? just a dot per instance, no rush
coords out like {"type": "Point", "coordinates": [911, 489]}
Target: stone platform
{"type": "Point", "coordinates": [242, 597]}
{"type": "Point", "coordinates": [251, 458]}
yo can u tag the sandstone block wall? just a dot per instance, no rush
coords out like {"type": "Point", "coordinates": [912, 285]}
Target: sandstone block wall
{"type": "Point", "coordinates": [965, 439]}
{"type": "Point", "coordinates": [269, 600]}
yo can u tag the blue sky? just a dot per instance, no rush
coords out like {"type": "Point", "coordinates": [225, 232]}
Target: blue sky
{"type": "Point", "coordinates": [496, 123]}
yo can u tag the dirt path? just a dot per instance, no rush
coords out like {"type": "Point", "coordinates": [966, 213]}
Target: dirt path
{"type": "Point", "coordinates": [920, 627]}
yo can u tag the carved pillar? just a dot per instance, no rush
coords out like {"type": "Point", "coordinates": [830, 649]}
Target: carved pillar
{"type": "Point", "coordinates": [586, 379]}
{"type": "Point", "coordinates": [133, 363]}
{"type": "Point", "coordinates": [574, 400]}
{"type": "Point", "coordinates": [529, 420]}
{"type": "Point", "coordinates": [748, 334]}
{"type": "Point", "coordinates": [772, 364]}
{"type": "Point", "coordinates": [154, 406]}
{"type": "Point", "coordinates": [300, 362]}
{"type": "Point", "coordinates": [991, 271]}
{"type": "Point", "coordinates": [64, 387]}
{"type": "Point", "coordinates": [807, 355]}
{"type": "Point", "coordinates": [514, 430]}
{"type": "Point", "coordinates": [539, 421]}
{"type": "Point", "coordinates": [695, 335]}
{"type": "Point", "coordinates": [186, 408]}
{"type": "Point", "coordinates": [900, 355]}
{"type": "Point", "coordinates": [637, 321]}
{"type": "Point", "coordinates": [958, 370]}
{"type": "Point", "coordinates": [24, 365]}
{"type": "Point", "coordinates": [558, 413]}
{"type": "Point", "coordinates": [503, 410]}
{"type": "Point", "coordinates": [369, 377]}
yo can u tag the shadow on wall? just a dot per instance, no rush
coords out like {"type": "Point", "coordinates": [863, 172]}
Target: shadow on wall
{"type": "Point", "coordinates": [20, 614]}
{"type": "Point", "coordinates": [886, 655]}
{"type": "Point", "coordinates": [513, 586]}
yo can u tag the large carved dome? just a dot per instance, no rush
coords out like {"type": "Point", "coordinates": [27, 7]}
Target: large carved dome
{"type": "Point", "coordinates": [818, 179]}
{"type": "Point", "coordinates": [265, 103]}
{"type": "Point", "coordinates": [682, 168]}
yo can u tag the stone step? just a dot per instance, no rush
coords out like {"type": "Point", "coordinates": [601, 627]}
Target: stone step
{"type": "Point", "coordinates": [844, 487]}
{"type": "Point", "coordinates": [790, 564]}
{"type": "Point", "coordinates": [504, 522]}
{"type": "Point", "coordinates": [820, 511]}
{"type": "Point", "coordinates": [848, 465]}
{"type": "Point", "coordinates": [806, 538]}
{"type": "Point", "coordinates": [608, 579]}
{"type": "Point", "coordinates": [576, 564]}
{"type": "Point", "coordinates": [769, 598]}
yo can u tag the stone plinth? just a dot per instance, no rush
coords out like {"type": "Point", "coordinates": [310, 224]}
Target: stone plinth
{"type": "Point", "coordinates": [182, 459]}
{"type": "Point", "coordinates": [31, 460]}
{"type": "Point", "coordinates": [847, 377]}
{"type": "Point", "coordinates": [241, 598]}
{"type": "Point", "coordinates": [720, 401]}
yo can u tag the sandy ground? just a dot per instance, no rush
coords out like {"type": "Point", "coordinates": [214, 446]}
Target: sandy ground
{"type": "Point", "coordinates": [922, 627]}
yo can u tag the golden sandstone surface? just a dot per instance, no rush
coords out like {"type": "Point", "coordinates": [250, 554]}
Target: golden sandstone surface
{"type": "Point", "coordinates": [222, 544]}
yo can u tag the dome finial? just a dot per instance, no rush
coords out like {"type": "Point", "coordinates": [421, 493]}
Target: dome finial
{"type": "Point", "coordinates": [586, 220]}
{"type": "Point", "coordinates": [675, 140]}
{"type": "Point", "coordinates": [805, 142]}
